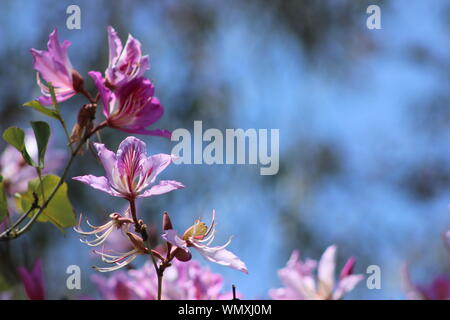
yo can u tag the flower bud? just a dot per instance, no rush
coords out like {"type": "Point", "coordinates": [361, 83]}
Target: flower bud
{"type": "Point", "coordinates": [182, 255]}
{"type": "Point", "coordinates": [348, 268]}
{"type": "Point", "coordinates": [85, 122]}
{"type": "Point", "coordinates": [77, 81]}
{"type": "Point", "coordinates": [167, 224]}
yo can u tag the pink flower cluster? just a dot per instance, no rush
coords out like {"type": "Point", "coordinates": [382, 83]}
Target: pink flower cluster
{"type": "Point", "coordinates": [129, 102]}
{"type": "Point", "coordinates": [300, 282]}
{"type": "Point", "coordinates": [183, 281]}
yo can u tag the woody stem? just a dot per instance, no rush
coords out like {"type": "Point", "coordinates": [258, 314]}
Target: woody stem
{"type": "Point", "coordinates": [143, 231]}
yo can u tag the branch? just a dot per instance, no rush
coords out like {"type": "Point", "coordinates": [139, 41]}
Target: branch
{"type": "Point", "coordinates": [12, 233]}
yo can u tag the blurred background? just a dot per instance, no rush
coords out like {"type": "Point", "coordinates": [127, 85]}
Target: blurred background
{"type": "Point", "coordinates": [364, 120]}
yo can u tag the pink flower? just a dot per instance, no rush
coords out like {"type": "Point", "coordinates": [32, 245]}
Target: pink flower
{"type": "Point", "coordinates": [199, 236]}
{"type": "Point", "coordinates": [16, 173]}
{"type": "Point", "coordinates": [125, 64]}
{"type": "Point", "coordinates": [33, 281]}
{"type": "Point", "coordinates": [54, 66]}
{"type": "Point", "coordinates": [102, 233]}
{"type": "Point", "coordinates": [182, 281]}
{"type": "Point", "coordinates": [132, 107]}
{"type": "Point", "coordinates": [300, 283]}
{"type": "Point", "coordinates": [438, 289]}
{"type": "Point", "coordinates": [130, 172]}
{"type": "Point", "coordinates": [116, 287]}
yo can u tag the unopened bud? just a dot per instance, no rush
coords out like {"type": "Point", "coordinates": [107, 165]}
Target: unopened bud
{"type": "Point", "coordinates": [85, 123]}
{"type": "Point", "coordinates": [77, 81]}
{"type": "Point", "coordinates": [167, 224]}
{"type": "Point", "coordinates": [182, 255]}
{"type": "Point", "coordinates": [348, 268]}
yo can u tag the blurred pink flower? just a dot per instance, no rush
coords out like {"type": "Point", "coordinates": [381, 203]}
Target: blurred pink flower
{"type": "Point", "coordinates": [33, 281]}
{"type": "Point", "coordinates": [200, 237]}
{"type": "Point", "coordinates": [116, 287]}
{"type": "Point", "coordinates": [125, 64]}
{"type": "Point", "coordinates": [130, 171]}
{"type": "Point", "coordinates": [132, 107]}
{"type": "Point", "coordinates": [54, 66]}
{"type": "Point", "coordinates": [300, 282]}
{"type": "Point", "coordinates": [438, 289]}
{"type": "Point", "coordinates": [182, 281]}
{"type": "Point", "coordinates": [16, 173]}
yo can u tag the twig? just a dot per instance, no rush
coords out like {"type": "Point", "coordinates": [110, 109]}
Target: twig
{"type": "Point", "coordinates": [11, 232]}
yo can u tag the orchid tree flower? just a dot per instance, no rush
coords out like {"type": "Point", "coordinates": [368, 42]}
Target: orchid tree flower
{"type": "Point", "coordinates": [130, 172]}
{"type": "Point", "coordinates": [55, 67]}
{"type": "Point", "coordinates": [132, 107]}
{"type": "Point", "coordinates": [199, 237]}
{"type": "Point", "coordinates": [120, 260]}
{"type": "Point", "coordinates": [300, 283]}
{"type": "Point", "coordinates": [116, 287]}
{"type": "Point", "coordinates": [182, 281]}
{"type": "Point", "coordinates": [125, 63]}
{"type": "Point", "coordinates": [101, 233]}
{"type": "Point", "coordinates": [438, 289]}
{"type": "Point", "coordinates": [33, 281]}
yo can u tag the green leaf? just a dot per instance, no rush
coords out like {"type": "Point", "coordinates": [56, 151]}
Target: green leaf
{"type": "Point", "coordinates": [3, 201]}
{"type": "Point", "coordinates": [16, 137]}
{"type": "Point", "coordinates": [42, 134]}
{"type": "Point", "coordinates": [39, 107]}
{"type": "Point", "coordinates": [59, 211]}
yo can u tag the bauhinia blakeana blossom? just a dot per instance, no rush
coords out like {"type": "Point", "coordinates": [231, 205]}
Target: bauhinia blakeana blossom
{"type": "Point", "coordinates": [199, 237]}
{"type": "Point", "coordinates": [130, 173]}
{"type": "Point", "coordinates": [132, 107]}
{"type": "Point", "coordinates": [120, 260]}
{"type": "Point", "coordinates": [125, 63]}
{"type": "Point", "coordinates": [182, 281]}
{"type": "Point", "coordinates": [33, 281]}
{"type": "Point", "coordinates": [55, 67]}
{"type": "Point", "coordinates": [438, 289]}
{"type": "Point", "coordinates": [300, 282]}
{"type": "Point", "coordinates": [101, 233]}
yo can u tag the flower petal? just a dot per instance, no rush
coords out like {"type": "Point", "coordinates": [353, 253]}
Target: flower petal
{"type": "Point", "coordinates": [326, 271]}
{"type": "Point", "coordinates": [221, 256]}
{"type": "Point", "coordinates": [164, 186]}
{"type": "Point", "coordinates": [172, 237]}
{"type": "Point", "coordinates": [105, 93]}
{"type": "Point", "coordinates": [346, 285]}
{"type": "Point", "coordinates": [115, 46]}
{"type": "Point", "coordinates": [107, 158]}
{"type": "Point", "coordinates": [99, 183]}
{"type": "Point", "coordinates": [33, 281]}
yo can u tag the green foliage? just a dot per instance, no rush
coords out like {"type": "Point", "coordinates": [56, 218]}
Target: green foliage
{"type": "Point", "coordinates": [3, 201]}
{"type": "Point", "coordinates": [42, 109]}
{"type": "Point", "coordinates": [59, 211]}
{"type": "Point", "coordinates": [42, 134]}
{"type": "Point", "coordinates": [16, 137]}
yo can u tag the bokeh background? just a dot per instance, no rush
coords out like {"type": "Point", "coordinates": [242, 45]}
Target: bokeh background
{"type": "Point", "coordinates": [364, 119]}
